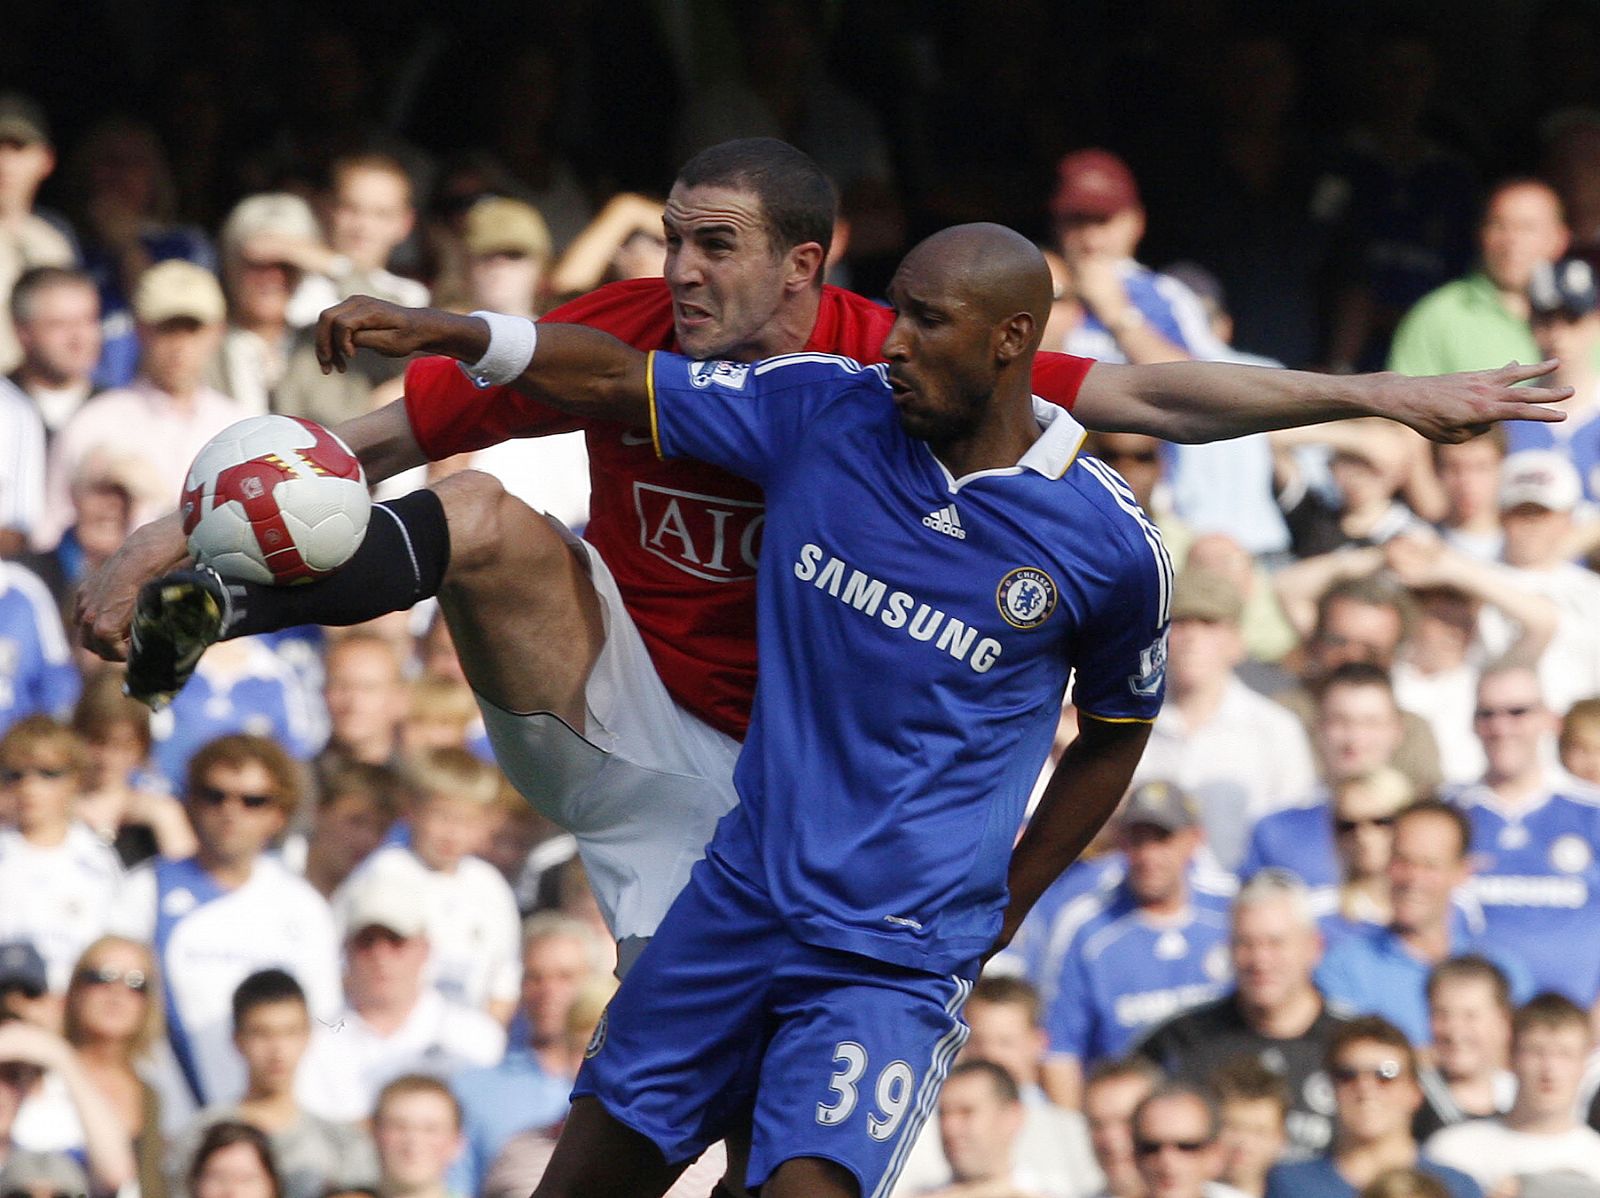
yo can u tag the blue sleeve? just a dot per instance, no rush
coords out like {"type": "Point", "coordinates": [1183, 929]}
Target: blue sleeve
{"type": "Point", "coordinates": [744, 417]}
{"type": "Point", "coordinates": [1070, 1020]}
{"type": "Point", "coordinates": [1338, 979]}
{"type": "Point", "coordinates": [1120, 653]}
{"type": "Point", "coordinates": [1255, 857]}
{"type": "Point", "coordinates": [59, 686]}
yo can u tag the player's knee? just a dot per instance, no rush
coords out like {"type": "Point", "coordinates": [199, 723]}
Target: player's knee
{"type": "Point", "coordinates": [490, 528]}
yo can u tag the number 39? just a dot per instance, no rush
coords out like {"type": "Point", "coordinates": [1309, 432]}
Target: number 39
{"type": "Point", "coordinates": [893, 1091]}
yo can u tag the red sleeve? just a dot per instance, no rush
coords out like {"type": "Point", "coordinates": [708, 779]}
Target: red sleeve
{"type": "Point", "coordinates": [1057, 377]}
{"type": "Point", "coordinates": [449, 414]}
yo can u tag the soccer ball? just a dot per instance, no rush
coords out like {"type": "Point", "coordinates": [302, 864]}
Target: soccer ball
{"type": "Point", "coordinates": [275, 499]}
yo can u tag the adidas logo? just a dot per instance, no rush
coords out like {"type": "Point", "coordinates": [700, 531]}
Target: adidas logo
{"type": "Point", "coordinates": [947, 521]}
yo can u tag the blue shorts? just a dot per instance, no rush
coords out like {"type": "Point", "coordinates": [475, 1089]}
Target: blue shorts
{"type": "Point", "coordinates": [727, 1021]}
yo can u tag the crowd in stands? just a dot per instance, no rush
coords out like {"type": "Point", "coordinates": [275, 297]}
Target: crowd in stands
{"type": "Point", "coordinates": [297, 937]}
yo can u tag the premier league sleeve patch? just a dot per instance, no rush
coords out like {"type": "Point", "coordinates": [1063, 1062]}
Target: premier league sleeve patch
{"type": "Point", "coordinates": [730, 376]}
{"type": "Point", "coordinates": [1026, 597]}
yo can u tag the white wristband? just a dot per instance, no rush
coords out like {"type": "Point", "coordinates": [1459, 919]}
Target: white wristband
{"type": "Point", "coordinates": [511, 344]}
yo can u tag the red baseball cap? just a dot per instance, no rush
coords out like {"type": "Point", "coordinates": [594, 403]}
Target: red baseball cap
{"type": "Point", "coordinates": [1093, 183]}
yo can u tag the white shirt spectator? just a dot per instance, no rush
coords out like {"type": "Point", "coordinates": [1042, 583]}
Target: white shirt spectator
{"type": "Point", "coordinates": [1446, 701]}
{"type": "Point", "coordinates": [349, 1062]}
{"type": "Point", "coordinates": [1489, 1152]}
{"type": "Point", "coordinates": [21, 461]}
{"type": "Point", "coordinates": [1569, 669]}
{"type": "Point", "coordinates": [474, 929]}
{"type": "Point", "coordinates": [209, 940]}
{"type": "Point", "coordinates": [59, 898]}
{"type": "Point", "coordinates": [1252, 757]}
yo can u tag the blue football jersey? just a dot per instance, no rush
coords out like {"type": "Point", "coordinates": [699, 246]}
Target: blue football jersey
{"type": "Point", "coordinates": [37, 674]}
{"type": "Point", "coordinates": [1299, 839]}
{"type": "Point", "coordinates": [916, 634]}
{"type": "Point", "coordinates": [1536, 879]}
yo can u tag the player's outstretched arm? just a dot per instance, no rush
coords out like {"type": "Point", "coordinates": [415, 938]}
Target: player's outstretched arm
{"type": "Point", "coordinates": [1089, 782]}
{"type": "Point", "coordinates": [579, 370]}
{"type": "Point", "coordinates": [1193, 402]}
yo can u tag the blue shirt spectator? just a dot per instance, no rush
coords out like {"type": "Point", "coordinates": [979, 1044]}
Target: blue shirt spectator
{"type": "Point", "coordinates": [37, 675]}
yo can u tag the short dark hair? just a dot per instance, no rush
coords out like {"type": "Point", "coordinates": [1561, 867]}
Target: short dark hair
{"type": "Point", "coordinates": [1370, 1029]}
{"type": "Point", "coordinates": [240, 749]}
{"type": "Point", "coordinates": [1246, 1079]}
{"type": "Point", "coordinates": [1005, 1086]}
{"type": "Point", "coordinates": [1471, 968]}
{"type": "Point", "coordinates": [1180, 1089]}
{"type": "Point", "coordinates": [1356, 673]}
{"type": "Point", "coordinates": [1116, 1068]}
{"type": "Point", "coordinates": [262, 988]}
{"type": "Point", "coordinates": [798, 201]}
{"type": "Point", "coordinates": [41, 278]}
{"type": "Point", "coordinates": [1370, 590]}
{"type": "Point", "coordinates": [1008, 991]}
{"type": "Point", "coordinates": [1548, 1011]}
{"type": "Point", "coordinates": [1453, 815]}
{"type": "Point", "coordinates": [226, 1134]}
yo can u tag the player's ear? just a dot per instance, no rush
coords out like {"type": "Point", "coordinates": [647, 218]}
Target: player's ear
{"type": "Point", "coordinates": [804, 264]}
{"type": "Point", "coordinates": [1014, 336]}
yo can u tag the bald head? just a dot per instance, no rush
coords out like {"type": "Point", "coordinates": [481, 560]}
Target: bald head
{"type": "Point", "coordinates": [995, 270]}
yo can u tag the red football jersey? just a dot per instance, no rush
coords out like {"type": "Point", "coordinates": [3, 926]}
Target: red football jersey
{"type": "Point", "coordinates": [681, 537]}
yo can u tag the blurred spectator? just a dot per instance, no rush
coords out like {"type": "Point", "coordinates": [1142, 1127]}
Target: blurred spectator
{"type": "Point", "coordinates": [43, 1175]}
{"type": "Point", "coordinates": [1565, 310]}
{"type": "Point", "coordinates": [120, 799]}
{"type": "Point", "coordinates": [58, 880]}
{"type": "Point", "coordinates": [231, 909]}
{"type": "Point", "coordinates": [1112, 1091]}
{"type": "Point", "coordinates": [1252, 1103]}
{"type": "Point", "coordinates": [272, 1029]}
{"type": "Point", "coordinates": [1364, 807]}
{"type": "Point", "coordinates": [472, 920]}
{"type": "Point", "coordinates": [1406, 1183]}
{"type": "Point", "coordinates": [61, 1109]}
{"type": "Point", "coordinates": [1534, 839]}
{"type": "Point", "coordinates": [393, 1022]}
{"type": "Point", "coordinates": [1137, 458]}
{"type": "Point", "coordinates": [21, 469]}
{"type": "Point", "coordinates": [440, 712]}
{"type": "Point", "coordinates": [1469, 477]}
{"type": "Point", "coordinates": [105, 492]}
{"type": "Point", "coordinates": [1235, 751]}
{"type": "Point", "coordinates": [1263, 626]}
{"type": "Point", "coordinates": [1130, 313]}
{"type": "Point", "coordinates": [625, 241]}
{"type": "Point", "coordinates": [365, 693]}
{"type": "Point", "coordinates": [264, 362]}
{"type": "Point", "coordinates": [1539, 491]}
{"type": "Point", "coordinates": [127, 202]}
{"type": "Point", "coordinates": [1374, 1072]}
{"type": "Point", "coordinates": [25, 987]}
{"type": "Point", "coordinates": [27, 239]}
{"type": "Point", "coordinates": [1384, 971]}
{"type": "Point", "coordinates": [37, 675]}
{"type": "Point", "coordinates": [168, 413]}
{"type": "Point", "coordinates": [1469, 1012]}
{"type": "Point", "coordinates": [113, 1022]}
{"type": "Point", "coordinates": [356, 807]}
{"type": "Point", "coordinates": [1541, 1134]}
{"type": "Point", "coordinates": [56, 313]}
{"type": "Point", "coordinates": [980, 1124]}
{"type": "Point", "coordinates": [239, 685]}
{"type": "Point", "coordinates": [1138, 954]}
{"type": "Point", "coordinates": [1480, 322]}
{"type": "Point", "coordinates": [234, 1160]}
{"type": "Point", "coordinates": [508, 251]}
{"type": "Point", "coordinates": [417, 1126]}
{"type": "Point", "coordinates": [1435, 670]}
{"type": "Point", "coordinates": [1175, 1144]}
{"type": "Point", "coordinates": [1371, 466]}
{"type": "Point", "coordinates": [528, 1089]}
{"type": "Point", "coordinates": [1579, 743]}
{"type": "Point", "coordinates": [1274, 1014]}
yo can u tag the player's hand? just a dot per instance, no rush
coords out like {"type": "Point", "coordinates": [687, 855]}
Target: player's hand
{"type": "Point", "coordinates": [1456, 407]}
{"type": "Point", "coordinates": [362, 322]}
{"type": "Point", "coordinates": [104, 607]}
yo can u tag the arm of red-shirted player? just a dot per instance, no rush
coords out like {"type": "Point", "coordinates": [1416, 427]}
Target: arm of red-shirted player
{"type": "Point", "coordinates": [1087, 785]}
{"type": "Point", "coordinates": [1207, 401]}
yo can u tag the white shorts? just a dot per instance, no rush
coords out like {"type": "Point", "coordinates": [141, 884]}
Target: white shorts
{"type": "Point", "coordinates": [641, 787]}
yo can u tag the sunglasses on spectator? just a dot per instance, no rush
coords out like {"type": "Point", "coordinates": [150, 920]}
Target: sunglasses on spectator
{"type": "Point", "coordinates": [11, 775]}
{"type": "Point", "coordinates": [1383, 1072]}
{"type": "Point", "coordinates": [212, 796]}
{"type": "Point", "coordinates": [1344, 827]}
{"type": "Point", "coordinates": [1511, 713]}
{"type": "Point", "coordinates": [1143, 1147]}
{"type": "Point", "coordinates": [1143, 456]}
{"type": "Point", "coordinates": [133, 979]}
{"type": "Point", "coordinates": [41, 1193]}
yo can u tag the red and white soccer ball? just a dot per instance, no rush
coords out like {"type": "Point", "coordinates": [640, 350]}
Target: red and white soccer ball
{"type": "Point", "coordinates": [275, 499]}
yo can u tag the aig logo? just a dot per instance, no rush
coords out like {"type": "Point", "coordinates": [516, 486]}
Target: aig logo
{"type": "Point", "coordinates": [703, 535]}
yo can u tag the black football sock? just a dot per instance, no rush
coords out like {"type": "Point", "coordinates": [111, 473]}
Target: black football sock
{"type": "Point", "coordinates": [401, 561]}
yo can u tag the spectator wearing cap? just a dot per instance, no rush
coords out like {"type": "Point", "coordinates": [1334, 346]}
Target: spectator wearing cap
{"type": "Point", "coordinates": [25, 986]}
{"type": "Point", "coordinates": [264, 361]}
{"type": "Point", "coordinates": [1480, 322]}
{"type": "Point", "coordinates": [1130, 313]}
{"type": "Point", "coordinates": [168, 412]}
{"type": "Point", "coordinates": [58, 880]}
{"type": "Point", "coordinates": [1539, 494]}
{"type": "Point", "coordinates": [27, 239]}
{"type": "Point", "coordinates": [1274, 1014]}
{"type": "Point", "coordinates": [1121, 961]}
{"type": "Point", "coordinates": [1384, 970]}
{"type": "Point", "coordinates": [1564, 305]}
{"type": "Point", "coordinates": [231, 909]}
{"type": "Point", "coordinates": [393, 1022]}
{"type": "Point", "coordinates": [1237, 752]}
{"type": "Point", "coordinates": [56, 313]}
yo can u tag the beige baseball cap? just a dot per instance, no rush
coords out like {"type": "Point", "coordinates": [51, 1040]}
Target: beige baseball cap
{"type": "Point", "coordinates": [497, 225]}
{"type": "Point", "coordinates": [175, 288]}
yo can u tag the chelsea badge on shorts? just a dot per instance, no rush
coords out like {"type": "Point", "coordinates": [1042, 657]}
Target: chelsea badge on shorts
{"type": "Point", "coordinates": [1026, 597]}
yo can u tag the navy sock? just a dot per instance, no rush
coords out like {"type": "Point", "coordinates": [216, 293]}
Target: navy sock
{"type": "Point", "coordinates": [401, 561]}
